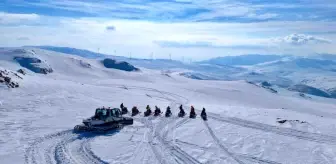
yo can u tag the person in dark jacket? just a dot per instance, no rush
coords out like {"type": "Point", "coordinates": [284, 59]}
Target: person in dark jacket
{"type": "Point", "coordinates": [135, 111]}
{"type": "Point", "coordinates": [203, 114]}
{"type": "Point", "coordinates": [168, 112]}
{"type": "Point", "coordinates": [192, 112]}
{"type": "Point", "coordinates": [148, 111]}
{"type": "Point", "coordinates": [157, 111]}
{"type": "Point", "coordinates": [182, 112]}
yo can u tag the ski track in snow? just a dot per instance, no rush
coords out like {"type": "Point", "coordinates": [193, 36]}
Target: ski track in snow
{"type": "Point", "coordinates": [314, 137]}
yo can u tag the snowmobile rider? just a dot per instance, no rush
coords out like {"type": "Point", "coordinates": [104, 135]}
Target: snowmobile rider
{"type": "Point", "coordinates": [203, 112]}
{"type": "Point", "coordinates": [123, 109]}
{"type": "Point", "coordinates": [157, 110]}
{"type": "Point", "coordinates": [192, 112]}
{"type": "Point", "coordinates": [135, 110]}
{"type": "Point", "coordinates": [148, 111]}
{"type": "Point", "coordinates": [181, 110]}
{"type": "Point", "coordinates": [168, 111]}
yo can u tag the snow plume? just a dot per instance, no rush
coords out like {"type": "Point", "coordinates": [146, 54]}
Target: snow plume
{"type": "Point", "coordinates": [302, 39]}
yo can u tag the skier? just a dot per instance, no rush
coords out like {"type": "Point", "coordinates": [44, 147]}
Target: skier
{"type": "Point", "coordinates": [192, 112]}
{"type": "Point", "coordinates": [157, 111]}
{"type": "Point", "coordinates": [168, 112]}
{"type": "Point", "coordinates": [121, 105]}
{"type": "Point", "coordinates": [148, 111]}
{"type": "Point", "coordinates": [204, 115]}
{"type": "Point", "coordinates": [181, 113]}
{"type": "Point", "coordinates": [135, 111]}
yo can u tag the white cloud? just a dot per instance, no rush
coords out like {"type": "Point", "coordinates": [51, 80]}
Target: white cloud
{"type": "Point", "coordinates": [203, 39]}
{"type": "Point", "coordinates": [262, 16]}
{"type": "Point", "coordinates": [9, 18]}
{"type": "Point", "coordinates": [302, 39]}
{"type": "Point", "coordinates": [210, 9]}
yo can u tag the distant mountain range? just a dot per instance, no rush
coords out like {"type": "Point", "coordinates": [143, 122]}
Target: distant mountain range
{"type": "Point", "coordinates": [250, 59]}
{"type": "Point", "coordinates": [297, 73]}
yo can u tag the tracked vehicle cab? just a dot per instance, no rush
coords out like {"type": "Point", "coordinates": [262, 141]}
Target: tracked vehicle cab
{"type": "Point", "coordinates": [104, 119]}
{"type": "Point", "coordinates": [102, 113]}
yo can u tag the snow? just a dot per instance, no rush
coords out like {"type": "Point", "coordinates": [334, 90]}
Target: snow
{"type": "Point", "coordinates": [38, 117]}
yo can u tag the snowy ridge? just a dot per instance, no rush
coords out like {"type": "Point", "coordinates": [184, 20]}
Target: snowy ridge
{"type": "Point", "coordinates": [37, 118]}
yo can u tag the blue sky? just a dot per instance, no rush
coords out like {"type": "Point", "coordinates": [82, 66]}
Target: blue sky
{"type": "Point", "coordinates": [196, 29]}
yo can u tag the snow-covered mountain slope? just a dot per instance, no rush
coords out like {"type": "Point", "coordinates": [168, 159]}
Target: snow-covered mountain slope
{"type": "Point", "coordinates": [72, 51]}
{"type": "Point", "coordinates": [250, 59]}
{"type": "Point", "coordinates": [314, 72]}
{"type": "Point", "coordinates": [246, 123]}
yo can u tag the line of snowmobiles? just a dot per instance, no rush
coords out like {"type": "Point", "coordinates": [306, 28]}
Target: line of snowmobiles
{"type": "Point", "coordinates": [168, 113]}
{"type": "Point", "coordinates": [106, 119]}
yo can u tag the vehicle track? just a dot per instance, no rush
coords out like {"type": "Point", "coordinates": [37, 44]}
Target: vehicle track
{"type": "Point", "coordinates": [87, 154]}
{"type": "Point", "coordinates": [314, 137]}
{"type": "Point", "coordinates": [167, 149]}
{"type": "Point", "coordinates": [155, 131]}
{"type": "Point", "coordinates": [173, 149]}
{"type": "Point", "coordinates": [222, 146]}
{"type": "Point", "coordinates": [235, 156]}
{"type": "Point", "coordinates": [56, 149]}
{"type": "Point", "coordinates": [32, 153]}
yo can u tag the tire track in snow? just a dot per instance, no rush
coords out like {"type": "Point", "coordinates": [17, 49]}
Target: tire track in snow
{"type": "Point", "coordinates": [32, 153]}
{"type": "Point", "coordinates": [86, 152]}
{"type": "Point", "coordinates": [151, 138]}
{"type": "Point", "coordinates": [140, 146]}
{"type": "Point", "coordinates": [173, 149]}
{"type": "Point", "coordinates": [223, 147]}
{"type": "Point", "coordinates": [59, 150]}
{"type": "Point", "coordinates": [242, 156]}
{"type": "Point", "coordinates": [178, 153]}
{"type": "Point", "coordinates": [165, 145]}
{"type": "Point", "coordinates": [236, 156]}
{"type": "Point", "coordinates": [255, 159]}
{"type": "Point", "coordinates": [314, 137]}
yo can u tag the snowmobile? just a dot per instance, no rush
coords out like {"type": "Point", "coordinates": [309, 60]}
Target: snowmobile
{"type": "Point", "coordinates": [148, 111]}
{"type": "Point", "coordinates": [192, 113]}
{"type": "Point", "coordinates": [124, 110]}
{"type": "Point", "coordinates": [204, 115]}
{"type": "Point", "coordinates": [182, 112]}
{"type": "Point", "coordinates": [157, 111]}
{"type": "Point", "coordinates": [135, 111]}
{"type": "Point", "coordinates": [104, 120]}
{"type": "Point", "coordinates": [168, 112]}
